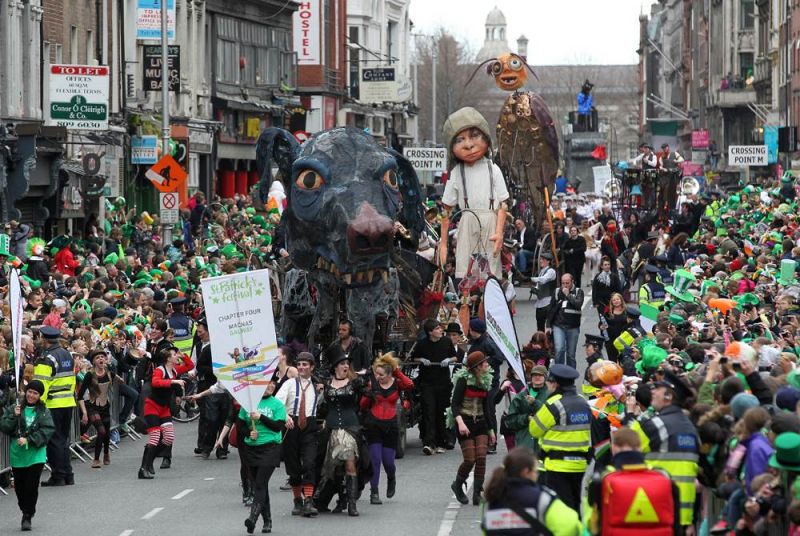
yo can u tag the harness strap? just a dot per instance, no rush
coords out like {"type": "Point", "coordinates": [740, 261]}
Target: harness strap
{"type": "Point", "coordinates": [491, 184]}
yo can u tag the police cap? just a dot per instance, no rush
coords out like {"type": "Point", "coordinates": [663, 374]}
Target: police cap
{"type": "Point", "coordinates": [633, 311]}
{"type": "Point", "coordinates": [672, 381]}
{"type": "Point", "coordinates": [180, 300]}
{"type": "Point", "coordinates": [594, 340]}
{"type": "Point", "coordinates": [563, 374]}
{"type": "Point", "coordinates": [49, 332]}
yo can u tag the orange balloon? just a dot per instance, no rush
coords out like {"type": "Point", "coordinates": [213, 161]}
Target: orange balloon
{"type": "Point", "coordinates": [723, 305]}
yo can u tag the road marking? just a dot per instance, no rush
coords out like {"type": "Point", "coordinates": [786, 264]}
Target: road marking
{"type": "Point", "coordinates": [152, 513]}
{"type": "Point", "coordinates": [126, 532]}
{"type": "Point", "coordinates": [182, 494]}
{"type": "Point", "coordinates": [451, 513]}
{"type": "Point", "coordinates": [209, 478]}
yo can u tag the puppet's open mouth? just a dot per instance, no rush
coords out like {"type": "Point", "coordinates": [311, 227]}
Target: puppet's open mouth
{"type": "Point", "coordinates": [508, 80]}
{"type": "Point", "coordinates": [364, 275]}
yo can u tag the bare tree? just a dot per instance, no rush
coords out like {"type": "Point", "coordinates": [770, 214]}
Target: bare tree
{"type": "Point", "coordinates": [454, 64]}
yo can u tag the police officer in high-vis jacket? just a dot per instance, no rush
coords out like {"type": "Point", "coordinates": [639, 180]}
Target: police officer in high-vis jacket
{"type": "Point", "coordinates": [652, 292]}
{"type": "Point", "coordinates": [183, 327]}
{"type": "Point", "coordinates": [669, 439]}
{"type": "Point", "coordinates": [56, 370]}
{"type": "Point", "coordinates": [563, 428]}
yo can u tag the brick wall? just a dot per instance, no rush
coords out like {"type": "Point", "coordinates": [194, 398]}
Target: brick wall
{"type": "Point", "coordinates": [59, 18]}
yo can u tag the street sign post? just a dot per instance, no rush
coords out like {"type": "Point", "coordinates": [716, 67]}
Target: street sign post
{"type": "Point", "coordinates": [426, 158]}
{"type": "Point", "coordinates": [168, 208]}
{"type": "Point", "coordinates": [748, 155]}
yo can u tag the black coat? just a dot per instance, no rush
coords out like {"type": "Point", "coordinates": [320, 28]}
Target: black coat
{"type": "Point", "coordinates": [575, 253]}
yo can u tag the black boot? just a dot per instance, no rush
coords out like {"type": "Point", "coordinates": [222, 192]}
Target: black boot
{"type": "Point", "coordinates": [250, 522]}
{"type": "Point", "coordinates": [374, 496]}
{"type": "Point", "coordinates": [458, 488]}
{"type": "Point", "coordinates": [309, 510]}
{"type": "Point", "coordinates": [147, 461]}
{"type": "Point", "coordinates": [391, 486]}
{"type": "Point", "coordinates": [298, 506]}
{"type": "Point", "coordinates": [166, 463]}
{"type": "Point", "coordinates": [341, 501]}
{"type": "Point", "coordinates": [25, 526]}
{"type": "Point", "coordinates": [267, 515]}
{"type": "Point", "coordinates": [477, 488]}
{"type": "Point", "coordinates": [351, 485]}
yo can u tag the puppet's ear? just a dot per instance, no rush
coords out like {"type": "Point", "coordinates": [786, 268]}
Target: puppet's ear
{"type": "Point", "coordinates": [411, 215]}
{"type": "Point", "coordinates": [280, 146]}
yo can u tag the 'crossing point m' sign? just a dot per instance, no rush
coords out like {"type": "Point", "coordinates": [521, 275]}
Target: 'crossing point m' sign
{"type": "Point", "coordinates": [748, 155]}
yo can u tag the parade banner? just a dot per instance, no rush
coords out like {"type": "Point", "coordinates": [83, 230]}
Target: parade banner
{"type": "Point", "coordinates": [500, 325]}
{"type": "Point", "coordinates": [244, 347]}
{"type": "Point", "coordinates": [16, 306]}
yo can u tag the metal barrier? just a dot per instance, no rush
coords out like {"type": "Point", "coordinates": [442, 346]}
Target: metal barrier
{"type": "Point", "coordinates": [75, 443]}
{"type": "Point", "coordinates": [5, 462]}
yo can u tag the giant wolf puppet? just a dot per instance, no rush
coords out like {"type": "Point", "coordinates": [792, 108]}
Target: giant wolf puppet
{"type": "Point", "coordinates": [345, 195]}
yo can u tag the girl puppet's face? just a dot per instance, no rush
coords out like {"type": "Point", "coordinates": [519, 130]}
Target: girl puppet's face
{"type": "Point", "coordinates": [470, 145]}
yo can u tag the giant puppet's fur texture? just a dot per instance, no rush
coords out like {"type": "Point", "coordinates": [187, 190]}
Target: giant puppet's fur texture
{"type": "Point", "coordinates": [345, 193]}
{"type": "Point", "coordinates": [527, 139]}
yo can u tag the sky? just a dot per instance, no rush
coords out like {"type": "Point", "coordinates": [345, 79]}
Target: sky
{"type": "Point", "coordinates": [559, 32]}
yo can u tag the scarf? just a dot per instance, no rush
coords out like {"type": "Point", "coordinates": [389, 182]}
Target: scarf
{"type": "Point", "coordinates": [484, 382]}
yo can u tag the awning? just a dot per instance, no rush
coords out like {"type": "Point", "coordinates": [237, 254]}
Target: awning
{"type": "Point", "coordinates": [236, 151]}
{"type": "Point", "coordinates": [250, 105]}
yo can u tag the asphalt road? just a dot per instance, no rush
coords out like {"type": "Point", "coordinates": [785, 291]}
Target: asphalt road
{"type": "Point", "coordinates": [203, 497]}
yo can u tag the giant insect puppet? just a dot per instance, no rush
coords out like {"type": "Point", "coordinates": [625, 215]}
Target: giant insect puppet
{"type": "Point", "coordinates": [346, 196]}
{"type": "Point", "coordinates": [527, 140]}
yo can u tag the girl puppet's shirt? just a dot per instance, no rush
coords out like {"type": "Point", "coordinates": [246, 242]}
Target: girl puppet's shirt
{"type": "Point", "coordinates": [482, 188]}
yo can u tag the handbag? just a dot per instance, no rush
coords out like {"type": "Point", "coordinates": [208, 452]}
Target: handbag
{"type": "Point", "coordinates": [233, 436]}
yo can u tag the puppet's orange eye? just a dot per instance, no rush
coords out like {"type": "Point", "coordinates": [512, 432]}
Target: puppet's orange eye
{"type": "Point", "coordinates": [390, 178]}
{"type": "Point", "coordinates": [309, 180]}
{"type": "Point", "coordinates": [496, 68]}
{"type": "Point", "coordinates": [515, 64]}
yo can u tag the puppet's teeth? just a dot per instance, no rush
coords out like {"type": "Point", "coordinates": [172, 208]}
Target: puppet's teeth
{"type": "Point", "coordinates": [320, 262]}
{"type": "Point", "coordinates": [360, 277]}
{"type": "Point", "coordinates": [370, 275]}
{"type": "Point", "coordinates": [334, 270]}
{"type": "Point", "coordinates": [348, 278]}
{"type": "Point", "coordinates": [385, 276]}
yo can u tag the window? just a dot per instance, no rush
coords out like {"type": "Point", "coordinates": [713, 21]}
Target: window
{"type": "Point", "coordinates": [89, 47]}
{"type": "Point", "coordinates": [390, 37]}
{"type": "Point", "coordinates": [354, 62]}
{"type": "Point", "coordinates": [46, 53]}
{"type": "Point", "coordinates": [59, 53]}
{"type": "Point", "coordinates": [747, 14]}
{"type": "Point", "coordinates": [745, 64]}
{"type": "Point", "coordinates": [73, 44]}
{"type": "Point", "coordinates": [228, 61]}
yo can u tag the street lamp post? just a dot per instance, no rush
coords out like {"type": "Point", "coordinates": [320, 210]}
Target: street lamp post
{"type": "Point", "coordinates": [434, 57]}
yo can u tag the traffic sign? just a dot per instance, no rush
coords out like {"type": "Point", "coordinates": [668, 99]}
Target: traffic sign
{"type": "Point", "coordinates": [426, 158]}
{"type": "Point", "coordinates": [168, 208]}
{"type": "Point", "coordinates": [167, 175]}
{"type": "Point", "coordinates": [748, 155]}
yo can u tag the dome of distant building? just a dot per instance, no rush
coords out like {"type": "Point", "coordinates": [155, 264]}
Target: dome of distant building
{"type": "Point", "coordinates": [494, 42]}
{"type": "Point", "coordinates": [495, 17]}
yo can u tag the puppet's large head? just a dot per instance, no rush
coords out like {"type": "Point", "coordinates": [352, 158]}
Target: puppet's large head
{"type": "Point", "coordinates": [345, 193]}
{"type": "Point", "coordinates": [508, 71]}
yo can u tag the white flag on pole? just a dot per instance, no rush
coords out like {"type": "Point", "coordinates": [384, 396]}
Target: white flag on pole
{"type": "Point", "coordinates": [16, 305]}
{"type": "Point", "coordinates": [500, 325]}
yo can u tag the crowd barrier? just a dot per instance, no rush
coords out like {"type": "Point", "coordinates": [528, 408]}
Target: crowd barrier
{"type": "Point", "coordinates": [76, 446]}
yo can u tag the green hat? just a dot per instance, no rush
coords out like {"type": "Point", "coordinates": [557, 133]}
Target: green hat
{"type": "Point", "coordinates": [676, 319]}
{"type": "Point", "coordinates": [793, 378]}
{"type": "Point", "coordinates": [652, 357]}
{"type": "Point", "coordinates": [787, 452]}
{"type": "Point", "coordinates": [745, 299]}
{"type": "Point", "coordinates": [5, 242]}
{"type": "Point", "coordinates": [260, 221]}
{"type": "Point", "coordinates": [228, 251]}
{"type": "Point", "coordinates": [680, 286]}
{"type": "Point", "coordinates": [182, 283]}
{"type": "Point", "coordinates": [266, 239]}
{"type": "Point", "coordinates": [787, 276]}
{"type": "Point", "coordinates": [250, 211]}
{"type": "Point", "coordinates": [34, 283]}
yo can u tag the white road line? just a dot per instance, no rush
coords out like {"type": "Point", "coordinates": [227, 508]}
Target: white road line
{"type": "Point", "coordinates": [126, 532]}
{"type": "Point", "coordinates": [152, 513]}
{"type": "Point", "coordinates": [450, 515]}
{"type": "Point", "coordinates": [182, 494]}
{"type": "Point", "coordinates": [209, 478]}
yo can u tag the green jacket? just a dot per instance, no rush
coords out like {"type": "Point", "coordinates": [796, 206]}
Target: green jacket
{"type": "Point", "coordinates": [38, 434]}
{"type": "Point", "coordinates": [519, 412]}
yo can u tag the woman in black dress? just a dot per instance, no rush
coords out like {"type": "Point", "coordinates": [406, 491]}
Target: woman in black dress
{"type": "Point", "coordinates": [341, 394]}
{"type": "Point", "coordinates": [616, 321]}
{"type": "Point", "coordinates": [575, 255]}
